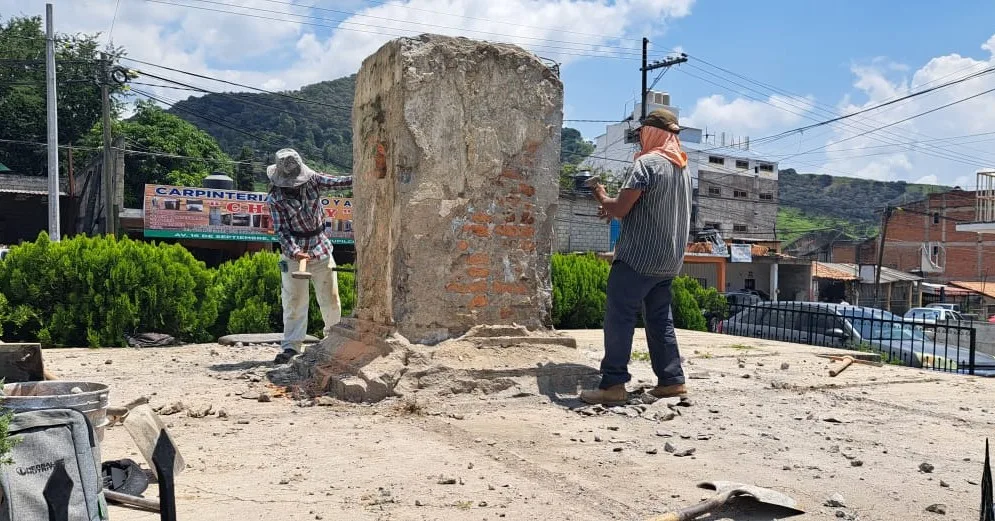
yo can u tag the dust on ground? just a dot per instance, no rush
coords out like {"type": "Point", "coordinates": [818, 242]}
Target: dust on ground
{"type": "Point", "coordinates": [762, 413]}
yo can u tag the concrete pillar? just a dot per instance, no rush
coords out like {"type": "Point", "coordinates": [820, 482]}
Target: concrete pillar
{"type": "Point", "coordinates": [774, 282]}
{"type": "Point", "coordinates": [456, 156]}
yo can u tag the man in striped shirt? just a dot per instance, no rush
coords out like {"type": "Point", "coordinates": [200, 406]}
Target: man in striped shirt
{"type": "Point", "coordinates": [654, 210]}
{"type": "Point", "coordinates": [299, 222]}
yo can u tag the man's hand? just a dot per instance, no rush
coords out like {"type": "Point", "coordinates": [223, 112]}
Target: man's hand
{"type": "Point", "coordinates": [599, 192]}
{"type": "Point", "coordinates": [603, 214]}
{"type": "Point", "coordinates": [301, 256]}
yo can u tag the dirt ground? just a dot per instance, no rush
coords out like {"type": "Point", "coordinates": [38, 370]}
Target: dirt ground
{"type": "Point", "coordinates": [762, 413]}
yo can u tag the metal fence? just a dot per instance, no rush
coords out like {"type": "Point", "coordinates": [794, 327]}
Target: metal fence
{"type": "Point", "coordinates": [946, 346]}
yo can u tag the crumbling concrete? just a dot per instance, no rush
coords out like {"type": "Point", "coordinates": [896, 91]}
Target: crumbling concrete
{"type": "Point", "coordinates": [456, 156]}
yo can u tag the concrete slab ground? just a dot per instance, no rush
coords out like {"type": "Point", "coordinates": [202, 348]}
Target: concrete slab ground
{"type": "Point", "coordinates": [763, 413]}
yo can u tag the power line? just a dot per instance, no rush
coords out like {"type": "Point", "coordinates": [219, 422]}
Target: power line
{"type": "Point", "coordinates": [613, 55]}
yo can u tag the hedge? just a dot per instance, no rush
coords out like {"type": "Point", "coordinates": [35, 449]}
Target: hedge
{"type": "Point", "coordinates": [96, 290]}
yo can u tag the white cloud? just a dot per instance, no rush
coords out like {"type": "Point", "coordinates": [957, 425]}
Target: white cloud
{"type": "Point", "coordinates": [950, 162]}
{"type": "Point", "coordinates": [278, 48]}
{"type": "Point", "coordinates": [743, 117]}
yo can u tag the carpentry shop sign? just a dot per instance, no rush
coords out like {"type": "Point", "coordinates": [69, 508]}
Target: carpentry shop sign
{"type": "Point", "coordinates": [740, 253]}
{"type": "Point", "coordinates": [179, 212]}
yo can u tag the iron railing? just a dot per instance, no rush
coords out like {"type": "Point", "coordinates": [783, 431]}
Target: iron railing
{"type": "Point", "coordinates": [946, 346]}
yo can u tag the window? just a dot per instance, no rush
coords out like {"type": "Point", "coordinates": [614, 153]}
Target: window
{"type": "Point", "coordinates": [936, 250]}
{"type": "Point", "coordinates": [741, 228]}
{"type": "Point", "coordinates": [765, 167]}
{"type": "Point", "coordinates": [714, 190]}
{"type": "Point", "coordinates": [713, 226]}
{"type": "Point", "coordinates": [750, 283]}
{"type": "Point", "coordinates": [745, 165]}
{"type": "Point", "coordinates": [740, 194]}
{"type": "Point", "coordinates": [766, 196]}
{"type": "Point", "coordinates": [716, 160]}
{"type": "Point", "coordinates": [703, 282]}
{"type": "Point", "coordinates": [936, 219]}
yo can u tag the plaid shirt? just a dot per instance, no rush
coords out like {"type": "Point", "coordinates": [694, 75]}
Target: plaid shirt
{"type": "Point", "coordinates": [302, 213]}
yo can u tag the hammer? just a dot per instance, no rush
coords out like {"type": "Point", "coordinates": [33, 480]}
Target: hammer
{"type": "Point", "coordinates": [302, 272]}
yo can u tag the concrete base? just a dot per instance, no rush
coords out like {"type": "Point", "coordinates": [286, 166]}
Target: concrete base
{"type": "Point", "coordinates": [365, 362]}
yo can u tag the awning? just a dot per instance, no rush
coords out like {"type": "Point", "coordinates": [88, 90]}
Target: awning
{"type": "Point", "coordinates": [949, 291]}
{"type": "Point", "coordinates": [983, 288]}
{"type": "Point", "coordinates": [822, 270]}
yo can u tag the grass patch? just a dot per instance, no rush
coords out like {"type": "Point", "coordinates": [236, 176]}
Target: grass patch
{"type": "Point", "coordinates": [742, 347]}
{"type": "Point", "coordinates": [642, 356]}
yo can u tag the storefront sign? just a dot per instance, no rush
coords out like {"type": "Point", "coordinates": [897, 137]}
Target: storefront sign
{"type": "Point", "coordinates": [179, 212]}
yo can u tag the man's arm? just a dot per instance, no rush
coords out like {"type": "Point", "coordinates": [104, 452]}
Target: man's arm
{"type": "Point", "coordinates": [617, 207]}
{"type": "Point", "coordinates": [287, 243]}
{"type": "Point", "coordinates": [329, 182]}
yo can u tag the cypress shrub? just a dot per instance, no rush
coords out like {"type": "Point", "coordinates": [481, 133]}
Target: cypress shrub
{"type": "Point", "coordinates": [95, 290]}
{"type": "Point", "coordinates": [685, 307]}
{"type": "Point", "coordinates": [579, 286]}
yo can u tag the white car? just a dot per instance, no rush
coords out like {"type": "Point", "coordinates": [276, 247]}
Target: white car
{"type": "Point", "coordinates": [939, 305]}
{"type": "Point", "coordinates": [932, 315]}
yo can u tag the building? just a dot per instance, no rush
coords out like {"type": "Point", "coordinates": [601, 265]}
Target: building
{"type": "Point", "coordinates": [24, 207]}
{"type": "Point", "coordinates": [578, 227]}
{"type": "Point", "coordinates": [735, 188]}
{"type": "Point", "coordinates": [929, 238]}
{"type": "Point", "coordinates": [897, 292]}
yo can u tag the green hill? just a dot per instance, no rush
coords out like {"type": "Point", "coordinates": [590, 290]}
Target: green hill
{"type": "Point", "coordinates": [850, 204]}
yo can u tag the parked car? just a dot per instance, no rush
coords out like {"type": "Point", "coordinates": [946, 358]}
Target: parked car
{"type": "Point", "coordinates": [933, 315]}
{"type": "Point", "coordinates": [844, 326]}
{"type": "Point", "coordinates": [740, 300]}
{"type": "Point", "coordinates": [943, 305]}
{"type": "Point", "coordinates": [3, 252]}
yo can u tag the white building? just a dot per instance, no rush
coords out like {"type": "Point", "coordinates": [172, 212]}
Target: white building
{"type": "Point", "coordinates": [735, 187]}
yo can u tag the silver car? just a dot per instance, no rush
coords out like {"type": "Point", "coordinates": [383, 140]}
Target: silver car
{"type": "Point", "coordinates": [853, 327]}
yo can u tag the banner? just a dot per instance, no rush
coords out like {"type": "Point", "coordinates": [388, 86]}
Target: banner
{"type": "Point", "coordinates": [179, 212]}
{"type": "Point", "coordinates": [740, 253]}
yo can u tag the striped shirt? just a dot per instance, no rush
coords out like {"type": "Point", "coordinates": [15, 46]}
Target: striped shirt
{"type": "Point", "coordinates": [654, 234]}
{"type": "Point", "coordinates": [298, 211]}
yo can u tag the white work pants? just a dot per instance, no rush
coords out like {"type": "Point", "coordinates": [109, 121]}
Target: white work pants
{"type": "Point", "coordinates": [295, 293]}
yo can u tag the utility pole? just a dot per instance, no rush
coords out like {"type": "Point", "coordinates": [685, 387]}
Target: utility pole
{"type": "Point", "coordinates": [54, 233]}
{"type": "Point", "coordinates": [884, 235]}
{"type": "Point", "coordinates": [107, 171]}
{"type": "Point", "coordinates": [653, 66]}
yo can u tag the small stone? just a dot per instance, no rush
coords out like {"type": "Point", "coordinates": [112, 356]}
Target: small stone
{"type": "Point", "coordinates": [242, 422]}
{"type": "Point", "coordinates": [856, 463]}
{"type": "Point", "coordinates": [239, 344]}
{"type": "Point", "coordinates": [686, 452]}
{"type": "Point", "coordinates": [222, 413]}
{"type": "Point", "coordinates": [469, 466]}
{"type": "Point", "coordinates": [418, 503]}
{"type": "Point", "coordinates": [840, 514]}
{"type": "Point", "coordinates": [785, 366]}
{"type": "Point", "coordinates": [108, 362]}
{"type": "Point", "coordinates": [264, 398]}
{"type": "Point", "coordinates": [612, 427]}
{"type": "Point", "coordinates": [713, 410]}
{"type": "Point", "coordinates": [617, 449]}
{"type": "Point", "coordinates": [836, 501]}
{"type": "Point", "coordinates": [172, 408]}
{"type": "Point", "coordinates": [937, 508]}
{"type": "Point", "coordinates": [746, 375]}
{"type": "Point", "coordinates": [597, 439]}
{"type": "Point", "coordinates": [251, 395]}
{"type": "Point", "coordinates": [325, 401]}
{"type": "Point", "coordinates": [482, 504]}
{"type": "Point", "coordinates": [669, 447]}
{"type": "Point", "coordinates": [446, 481]}
{"type": "Point", "coordinates": [200, 411]}
{"type": "Point", "coordinates": [666, 417]}
{"type": "Point", "coordinates": [742, 365]}
{"type": "Point", "coordinates": [944, 484]}
{"type": "Point", "coordinates": [786, 467]}
{"type": "Point", "coordinates": [926, 468]}
{"type": "Point", "coordinates": [284, 481]}
{"type": "Point", "coordinates": [664, 434]}
{"type": "Point", "coordinates": [652, 451]}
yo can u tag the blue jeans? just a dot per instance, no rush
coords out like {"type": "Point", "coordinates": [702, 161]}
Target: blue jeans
{"type": "Point", "coordinates": [628, 292]}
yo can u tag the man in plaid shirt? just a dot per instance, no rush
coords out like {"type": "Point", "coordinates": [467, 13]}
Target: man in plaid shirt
{"type": "Point", "coordinates": [299, 221]}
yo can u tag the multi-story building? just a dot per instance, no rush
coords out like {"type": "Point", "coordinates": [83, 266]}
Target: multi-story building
{"type": "Point", "coordinates": [735, 188]}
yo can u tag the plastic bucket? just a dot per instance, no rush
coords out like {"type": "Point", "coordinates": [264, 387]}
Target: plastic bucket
{"type": "Point", "coordinates": [88, 398]}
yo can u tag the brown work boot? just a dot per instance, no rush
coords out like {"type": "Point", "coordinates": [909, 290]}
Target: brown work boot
{"type": "Point", "coordinates": [669, 391]}
{"type": "Point", "coordinates": [614, 395]}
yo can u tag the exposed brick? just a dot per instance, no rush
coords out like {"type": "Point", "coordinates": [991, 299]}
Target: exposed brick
{"type": "Point", "coordinates": [462, 245]}
{"type": "Point", "coordinates": [506, 313]}
{"type": "Point", "coordinates": [526, 189]}
{"type": "Point", "coordinates": [478, 272]}
{"type": "Point", "coordinates": [511, 173]}
{"type": "Point", "coordinates": [473, 287]}
{"type": "Point", "coordinates": [528, 245]}
{"type": "Point", "coordinates": [527, 218]}
{"type": "Point", "coordinates": [510, 230]}
{"type": "Point", "coordinates": [478, 301]}
{"type": "Point", "coordinates": [481, 218]}
{"type": "Point", "coordinates": [515, 288]}
{"type": "Point", "coordinates": [478, 259]}
{"type": "Point", "coordinates": [480, 230]}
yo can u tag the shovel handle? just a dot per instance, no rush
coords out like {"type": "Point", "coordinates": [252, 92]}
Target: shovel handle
{"type": "Point", "coordinates": [132, 501]}
{"type": "Point", "coordinates": [693, 512]}
{"type": "Point", "coordinates": [303, 265]}
{"type": "Point", "coordinates": [846, 363]}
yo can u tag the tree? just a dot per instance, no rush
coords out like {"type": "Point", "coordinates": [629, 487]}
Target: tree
{"type": "Point", "coordinates": [243, 171]}
{"type": "Point", "coordinates": [23, 96]}
{"type": "Point", "coordinates": [573, 148]}
{"type": "Point", "coordinates": [153, 129]}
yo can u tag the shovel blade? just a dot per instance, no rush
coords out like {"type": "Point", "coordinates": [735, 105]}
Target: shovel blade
{"type": "Point", "coordinates": [760, 494]}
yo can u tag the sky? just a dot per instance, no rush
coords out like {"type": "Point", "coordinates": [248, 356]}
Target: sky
{"type": "Point", "coordinates": [754, 69]}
